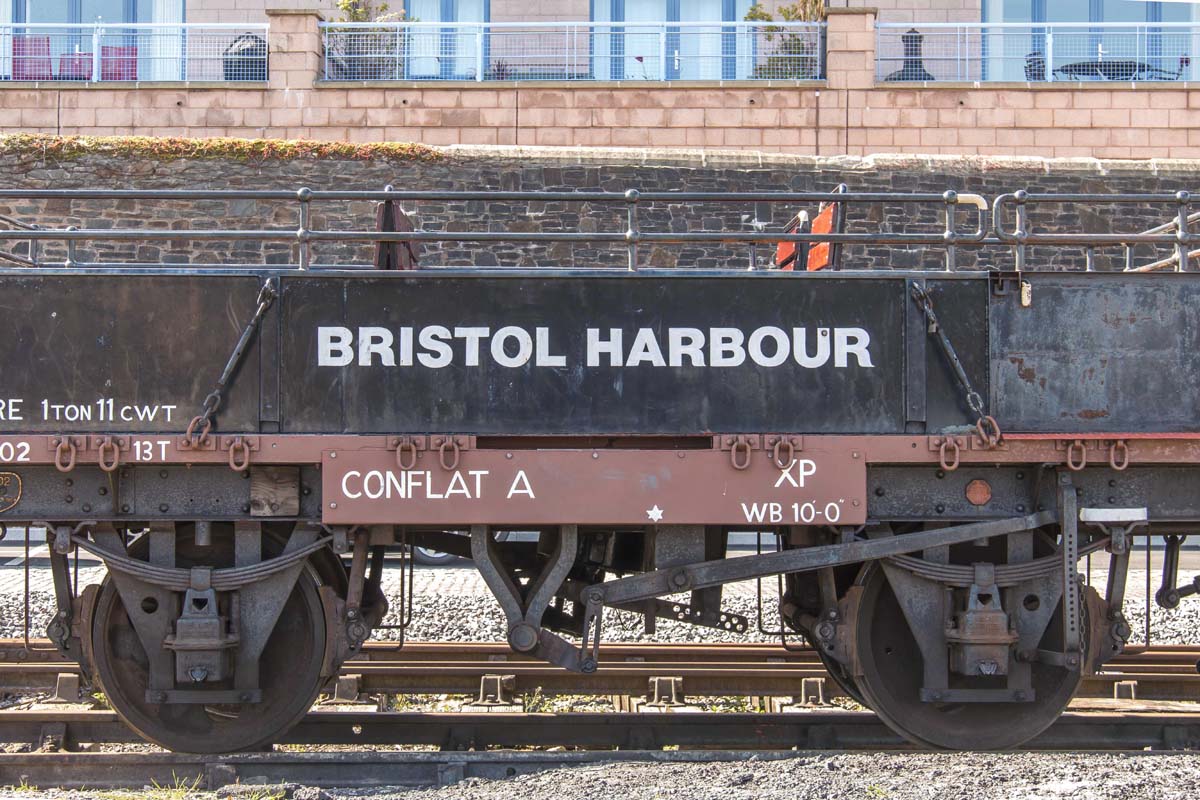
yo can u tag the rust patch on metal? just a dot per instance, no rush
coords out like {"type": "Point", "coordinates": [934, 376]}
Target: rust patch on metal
{"type": "Point", "coordinates": [1092, 413]}
{"type": "Point", "coordinates": [1025, 373]}
{"type": "Point", "coordinates": [10, 491]}
{"type": "Point", "coordinates": [979, 492]}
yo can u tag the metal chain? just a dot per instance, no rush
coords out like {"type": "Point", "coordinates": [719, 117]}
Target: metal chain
{"type": "Point", "coordinates": [985, 425]}
{"type": "Point", "coordinates": [203, 422]}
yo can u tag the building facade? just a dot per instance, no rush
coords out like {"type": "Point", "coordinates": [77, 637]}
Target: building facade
{"type": "Point", "coordinates": [1094, 78]}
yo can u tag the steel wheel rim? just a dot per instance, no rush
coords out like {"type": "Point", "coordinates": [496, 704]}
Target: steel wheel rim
{"type": "Point", "coordinates": [290, 667]}
{"type": "Point", "coordinates": [890, 682]}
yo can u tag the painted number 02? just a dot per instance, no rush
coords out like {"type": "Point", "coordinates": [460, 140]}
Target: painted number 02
{"type": "Point", "coordinates": [11, 452]}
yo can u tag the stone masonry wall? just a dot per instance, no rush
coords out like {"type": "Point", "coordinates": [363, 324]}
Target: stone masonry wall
{"type": "Point", "coordinates": [531, 169]}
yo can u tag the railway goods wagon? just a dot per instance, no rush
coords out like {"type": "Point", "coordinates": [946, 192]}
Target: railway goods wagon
{"type": "Point", "coordinates": [936, 450]}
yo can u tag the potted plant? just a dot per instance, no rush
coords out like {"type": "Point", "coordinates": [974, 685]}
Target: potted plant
{"type": "Point", "coordinates": [368, 53]}
{"type": "Point", "coordinates": [793, 53]}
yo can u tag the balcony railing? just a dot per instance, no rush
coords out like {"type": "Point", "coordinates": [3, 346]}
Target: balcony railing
{"type": "Point", "coordinates": [133, 52]}
{"type": "Point", "coordinates": [1037, 52]}
{"type": "Point", "coordinates": [574, 51]}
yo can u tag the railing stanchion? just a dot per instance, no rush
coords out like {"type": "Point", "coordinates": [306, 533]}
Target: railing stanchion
{"type": "Point", "coordinates": [303, 233]}
{"type": "Point", "coordinates": [1049, 55]}
{"type": "Point", "coordinates": [951, 198]}
{"type": "Point", "coordinates": [633, 234]}
{"type": "Point", "coordinates": [1022, 229]}
{"type": "Point", "coordinates": [1182, 236]}
{"type": "Point", "coordinates": [96, 53]}
{"type": "Point", "coordinates": [479, 53]}
{"type": "Point", "coordinates": [662, 53]}
{"type": "Point", "coordinates": [71, 261]}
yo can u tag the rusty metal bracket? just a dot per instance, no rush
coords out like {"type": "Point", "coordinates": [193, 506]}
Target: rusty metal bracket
{"type": "Point", "coordinates": [1069, 522]}
{"type": "Point", "coordinates": [66, 450]}
{"type": "Point", "coordinates": [1118, 455]}
{"type": "Point", "coordinates": [239, 449]}
{"type": "Point", "coordinates": [450, 449]}
{"type": "Point", "coordinates": [1004, 283]}
{"type": "Point", "coordinates": [192, 442]}
{"type": "Point", "coordinates": [406, 449]}
{"type": "Point", "coordinates": [108, 448]}
{"type": "Point", "coordinates": [741, 448]}
{"type": "Point", "coordinates": [949, 450]}
{"type": "Point", "coordinates": [783, 448]}
{"type": "Point", "coordinates": [524, 607]}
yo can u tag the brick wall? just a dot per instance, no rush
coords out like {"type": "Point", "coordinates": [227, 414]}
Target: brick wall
{"type": "Point", "coordinates": [931, 11]}
{"type": "Point", "coordinates": [847, 114]}
{"type": "Point", "coordinates": [511, 169]}
{"type": "Point", "coordinates": [251, 10]}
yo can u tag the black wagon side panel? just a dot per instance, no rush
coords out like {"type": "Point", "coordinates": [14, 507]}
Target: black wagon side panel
{"type": "Point", "coordinates": [1098, 353]}
{"type": "Point", "coordinates": [94, 352]}
{"type": "Point", "coordinates": [566, 395]}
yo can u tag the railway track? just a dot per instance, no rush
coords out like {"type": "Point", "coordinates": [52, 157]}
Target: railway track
{"type": "Point", "coordinates": [466, 744]}
{"type": "Point", "coordinates": [1163, 672]}
{"type": "Point", "coordinates": [337, 745]}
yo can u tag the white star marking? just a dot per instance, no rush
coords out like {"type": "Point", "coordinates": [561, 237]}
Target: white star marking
{"type": "Point", "coordinates": [655, 514]}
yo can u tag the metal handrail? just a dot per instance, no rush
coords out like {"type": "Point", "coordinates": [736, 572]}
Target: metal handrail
{"type": "Point", "coordinates": [1040, 25]}
{"type": "Point", "coordinates": [1020, 236]}
{"type": "Point", "coordinates": [1003, 223]}
{"type": "Point", "coordinates": [74, 26]}
{"type": "Point", "coordinates": [32, 260]}
{"type": "Point", "coordinates": [584, 23]}
{"type": "Point", "coordinates": [948, 236]}
{"type": "Point", "coordinates": [16, 223]}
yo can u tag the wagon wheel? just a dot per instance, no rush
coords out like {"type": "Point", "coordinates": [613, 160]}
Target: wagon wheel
{"type": "Point", "coordinates": [892, 675]}
{"type": "Point", "coordinates": [841, 676]}
{"type": "Point", "coordinates": [290, 665]}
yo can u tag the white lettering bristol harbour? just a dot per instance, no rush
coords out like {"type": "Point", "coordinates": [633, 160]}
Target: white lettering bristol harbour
{"type": "Point", "coordinates": [437, 346]}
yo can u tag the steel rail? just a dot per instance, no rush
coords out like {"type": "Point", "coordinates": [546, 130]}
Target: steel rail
{"type": "Point", "coordinates": [745, 670]}
{"type": "Point", "coordinates": [649, 733]}
{"type": "Point", "coordinates": [614, 237]}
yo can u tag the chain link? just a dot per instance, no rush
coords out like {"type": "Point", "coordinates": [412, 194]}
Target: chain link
{"type": "Point", "coordinates": [204, 421]}
{"type": "Point", "coordinates": [985, 425]}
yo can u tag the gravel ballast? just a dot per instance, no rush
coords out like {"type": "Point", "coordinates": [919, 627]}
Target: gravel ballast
{"type": "Point", "coordinates": [866, 776]}
{"type": "Point", "coordinates": [837, 776]}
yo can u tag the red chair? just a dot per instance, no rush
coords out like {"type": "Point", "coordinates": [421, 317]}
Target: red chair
{"type": "Point", "coordinates": [118, 63]}
{"type": "Point", "coordinates": [31, 58]}
{"type": "Point", "coordinates": [75, 67]}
